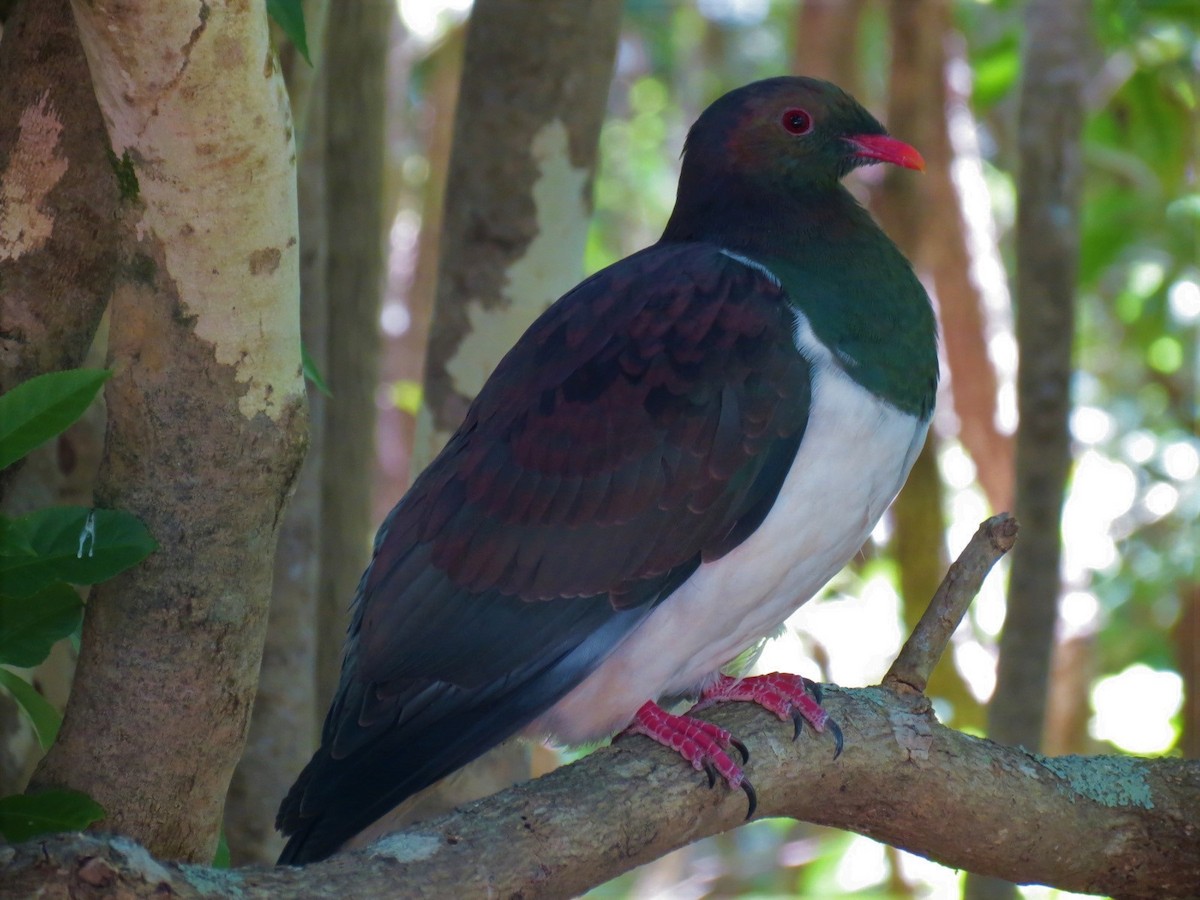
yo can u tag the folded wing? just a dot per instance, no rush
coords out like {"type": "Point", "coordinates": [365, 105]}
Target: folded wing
{"type": "Point", "coordinates": [642, 425]}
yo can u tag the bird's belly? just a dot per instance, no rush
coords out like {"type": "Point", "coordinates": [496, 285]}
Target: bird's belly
{"type": "Point", "coordinates": [854, 457]}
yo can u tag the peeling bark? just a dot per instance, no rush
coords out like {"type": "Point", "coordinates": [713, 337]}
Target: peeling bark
{"type": "Point", "coordinates": [206, 413]}
{"type": "Point", "coordinates": [58, 198]}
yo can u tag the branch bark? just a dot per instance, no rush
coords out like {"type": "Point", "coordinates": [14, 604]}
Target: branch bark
{"type": "Point", "coordinates": [206, 412]}
{"type": "Point", "coordinates": [928, 641]}
{"type": "Point", "coordinates": [1118, 826]}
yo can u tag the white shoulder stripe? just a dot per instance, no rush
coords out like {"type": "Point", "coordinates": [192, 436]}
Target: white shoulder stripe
{"type": "Point", "coordinates": [753, 264]}
{"type": "Point", "coordinates": [811, 346]}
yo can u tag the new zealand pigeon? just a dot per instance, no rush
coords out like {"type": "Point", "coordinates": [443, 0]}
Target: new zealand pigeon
{"type": "Point", "coordinates": [674, 457]}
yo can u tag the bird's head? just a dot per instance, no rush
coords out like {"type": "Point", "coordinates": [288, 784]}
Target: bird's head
{"type": "Point", "coordinates": [798, 132]}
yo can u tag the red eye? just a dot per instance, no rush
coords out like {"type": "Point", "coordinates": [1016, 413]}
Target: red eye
{"type": "Point", "coordinates": [797, 121]}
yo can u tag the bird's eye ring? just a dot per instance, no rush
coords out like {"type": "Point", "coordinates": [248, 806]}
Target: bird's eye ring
{"type": "Point", "coordinates": [796, 121]}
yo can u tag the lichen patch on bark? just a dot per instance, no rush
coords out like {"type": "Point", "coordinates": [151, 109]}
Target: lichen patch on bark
{"type": "Point", "coordinates": [265, 261]}
{"type": "Point", "coordinates": [407, 847]}
{"type": "Point", "coordinates": [1106, 780]}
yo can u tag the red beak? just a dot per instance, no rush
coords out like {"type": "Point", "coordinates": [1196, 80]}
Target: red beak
{"type": "Point", "coordinates": [886, 149]}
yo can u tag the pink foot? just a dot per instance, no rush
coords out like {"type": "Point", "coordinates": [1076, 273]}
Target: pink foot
{"type": "Point", "coordinates": [701, 743]}
{"type": "Point", "coordinates": [788, 696]}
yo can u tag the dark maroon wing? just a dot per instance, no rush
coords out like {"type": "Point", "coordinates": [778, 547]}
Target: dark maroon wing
{"type": "Point", "coordinates": [642, 425]}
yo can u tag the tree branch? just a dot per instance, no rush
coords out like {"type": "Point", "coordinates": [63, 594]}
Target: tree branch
{"type": "Point", "coordinates": [926, 644]}
{"type": "Point", "coordinates": [1120, 826]}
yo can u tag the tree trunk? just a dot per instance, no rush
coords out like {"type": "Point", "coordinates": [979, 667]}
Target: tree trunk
{"type": "Point", "coordinates": [356, 59]}
{"type": "Point", "coordinates": [958, 249]}
{"type": "Point", "coordinates": [1048, 190]}
{"type": "Point", "coordinates": [284, 724]}
{"type": "Point", "coordinates": [58, 254]}
{"type": "Point", "coordinates": [404, 354]}
{"type": "Point", "coordinates": [206, 413]}
{"type": "Point", "coordinates": [907, 207]}
{"type": "Point", "coordinates": [535, 80]}
{"type": "Point", "coordinates": [58, 198]}
{"type": "Point", "coordinates": [1050, 170]}
{"type": "Point", "coordinates": [827, 42]}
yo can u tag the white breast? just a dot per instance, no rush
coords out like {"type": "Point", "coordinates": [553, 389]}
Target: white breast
{"type": "Point", "coordinates": [855, 456]}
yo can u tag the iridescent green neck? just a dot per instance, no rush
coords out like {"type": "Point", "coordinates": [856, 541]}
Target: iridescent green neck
{"type": "Point", "coordinates": [841, 271]}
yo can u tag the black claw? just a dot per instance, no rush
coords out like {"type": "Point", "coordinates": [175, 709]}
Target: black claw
{"type": "Point", "coordinates": [799, 720]}
{"type": "Point", "coordinates": [711, 771]}
{"type": "Point", "coordinates": [741, 748]}
{"type": "Point", "coordinates": [815, 689]}
{"type": "Point", "coordinates": [749, 789]}
{"type": "Point", "coordinates": [836, 730]}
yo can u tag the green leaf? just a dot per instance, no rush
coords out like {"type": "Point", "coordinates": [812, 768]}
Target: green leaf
{"type": "Point", "coordinates": [13, 540]}
{"type": "Point", "coordinates": [23, 816]}
{"type": "Point", "coordinates": [995, 71]}
{"type": "Point", "coordinates": [221, 859]}
{"type": "Point", "coordinates": [30, 626]}
{"type": "Point", "coordinates": [42, 715]}
{"type": "Point", "coordinates": [73, 544]}
{"type": "Point", "coordinates": [289, 15]}
{"type": "Point", "coordinates": [312, 373]}
{"type": "Point", "coordinates": [38, 409]}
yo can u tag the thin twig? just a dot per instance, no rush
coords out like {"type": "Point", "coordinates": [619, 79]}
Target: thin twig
{"type": "Point", "coordinates": [928, 641]}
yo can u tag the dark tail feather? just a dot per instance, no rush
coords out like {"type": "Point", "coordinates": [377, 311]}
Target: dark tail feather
{"type": "Point", "coordinates": [289, 821]}
{"type": "Point", "coordinates": [297, 851]}
{"type": "Point", "coordinates": [346, 795]}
